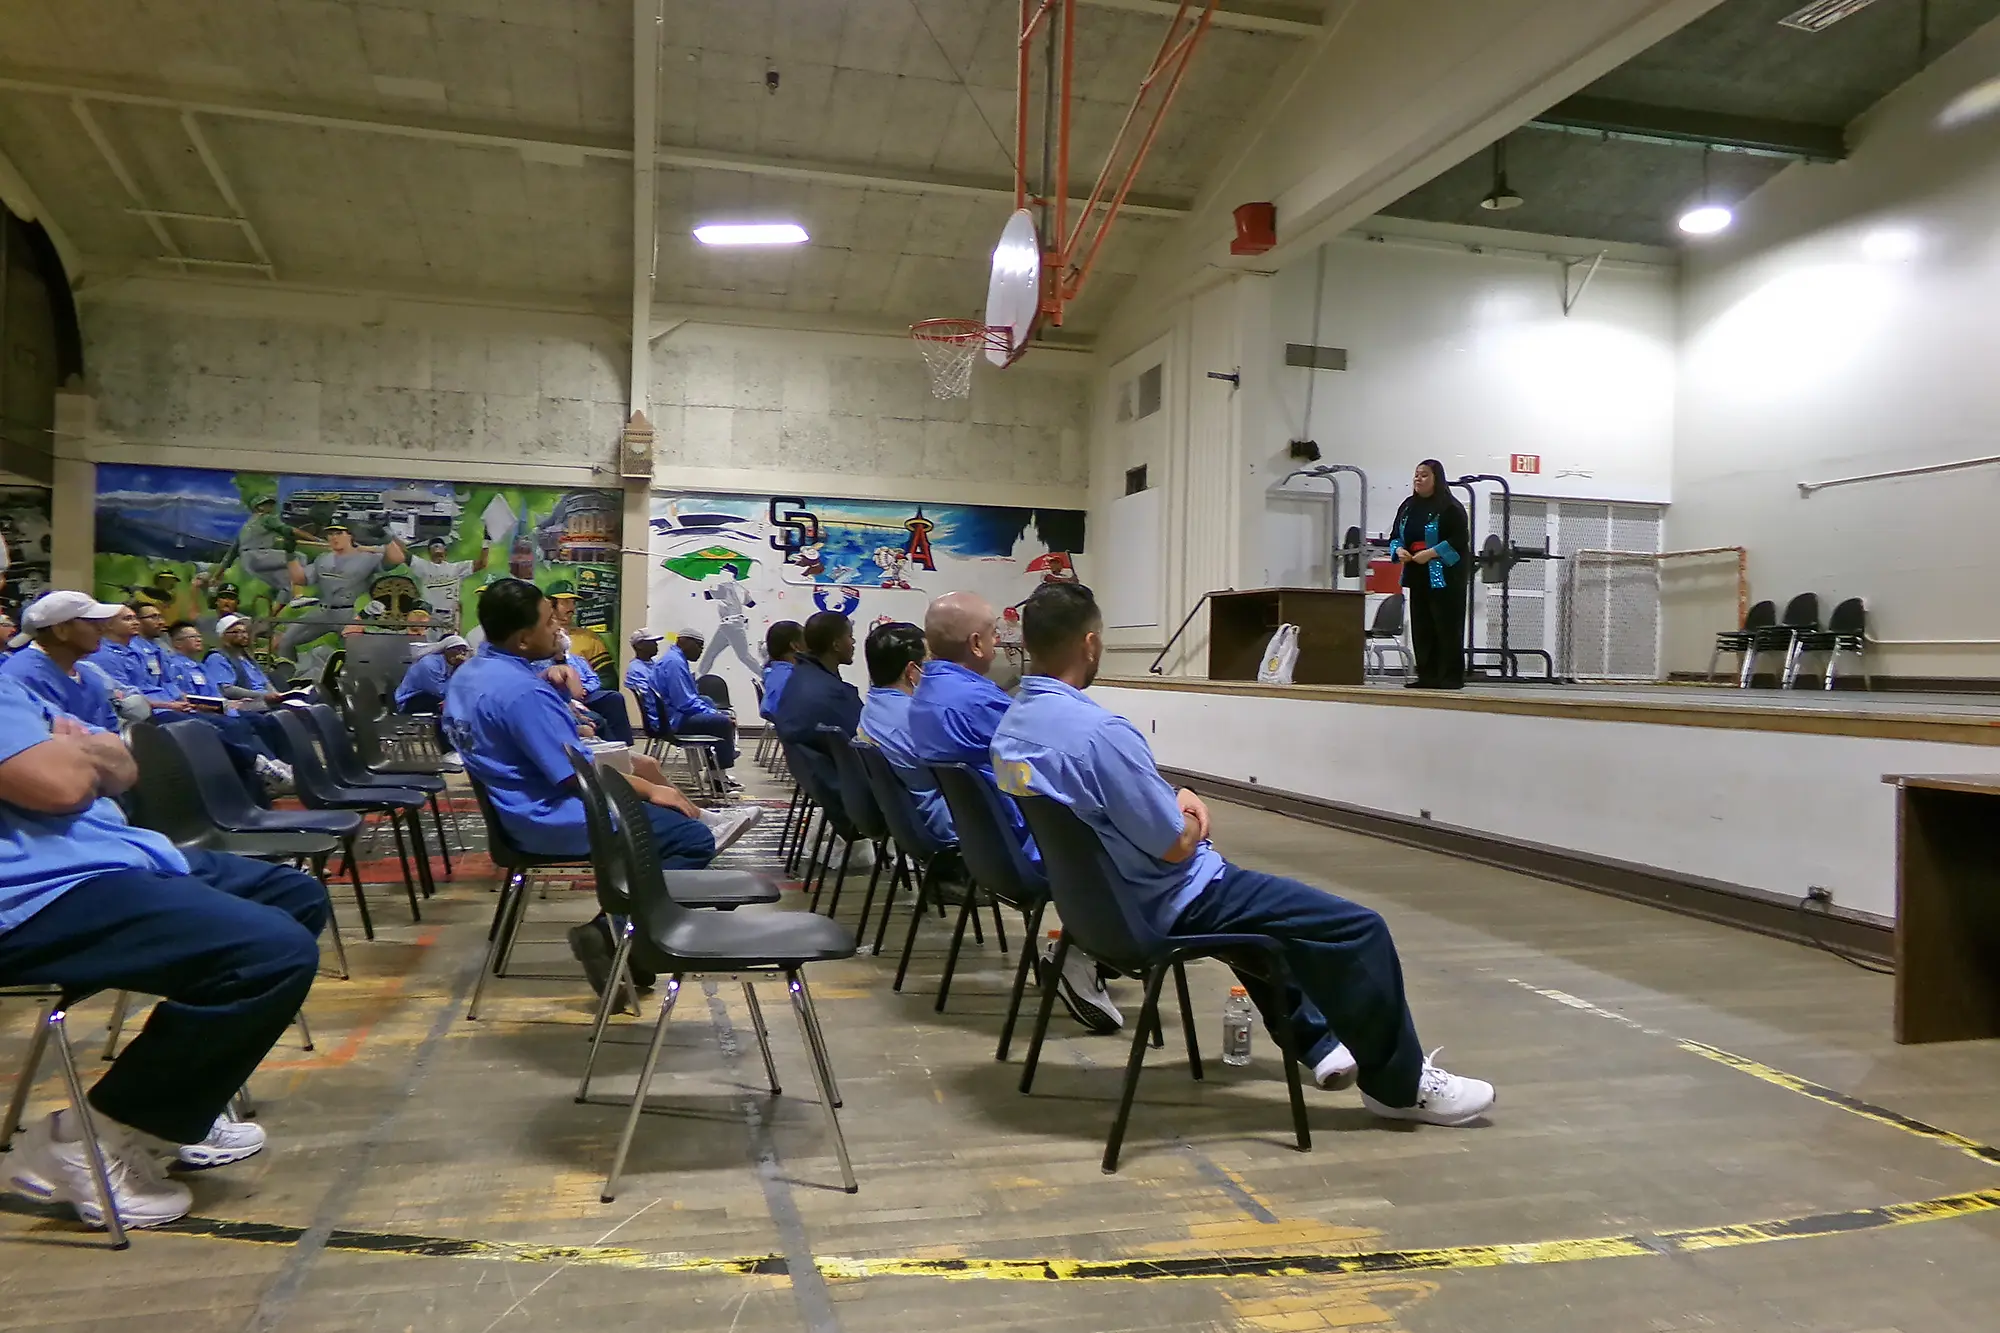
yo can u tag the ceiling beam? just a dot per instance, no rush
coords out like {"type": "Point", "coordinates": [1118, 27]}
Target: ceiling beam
{"type": "Point", "coordinates": [1284, 20]}
{"type": "Point", "coordinates": [646, 19]}
{"type": "Point", "coordinates": [1708, 129]}
{"type": "Point", "coordinates": [531, 143]}
{"type": "Point", "coordinates": [18, 195]}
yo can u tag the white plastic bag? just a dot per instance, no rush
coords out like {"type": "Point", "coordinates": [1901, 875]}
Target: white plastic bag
{"type": "Point", "coordinates": [1281, 654]}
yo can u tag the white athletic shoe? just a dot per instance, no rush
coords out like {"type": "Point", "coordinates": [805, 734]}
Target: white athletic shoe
{"type": "Point", "coordinates": [1336, 1070]}
{"type": "Point", "coordinates": [451, 763]}
{"type": "Point", "coordinates": [731, 824]}
{"type": "Point", "coordinates": [45, 1168]}
{"type": "Point", "coordinates": [228, 1141]}
{"type": "Point", "coordinates": [1442, 1098]}
{"type": "Point", "coordinates": [1082, 990]}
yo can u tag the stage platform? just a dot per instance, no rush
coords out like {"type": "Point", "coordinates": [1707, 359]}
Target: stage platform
{"type": "Point", "coordinates": [1729, 803]}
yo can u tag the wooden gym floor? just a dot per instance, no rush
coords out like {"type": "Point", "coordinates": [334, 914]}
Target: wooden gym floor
{"type": "Point", "coordinates": [1697, 1128]}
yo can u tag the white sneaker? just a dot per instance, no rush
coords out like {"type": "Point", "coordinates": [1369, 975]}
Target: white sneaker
{"type": "Point", "coordinates": [729, 825]}
{"type": "Point", "coordinates": [1336, 1070]}
{"type": "Point", "coordinates": [1082, 990]}
{"type": "Point", "coordinates": [274, 771]}
{"type": "Point", "coordinates": [1442, 1098]}
{"type": "Point", "coordinates": [228, 1141]}
{"type": "Point", "coordinates": [45, 1168]}
{"type": "Point", "coordinates": [451, 763]}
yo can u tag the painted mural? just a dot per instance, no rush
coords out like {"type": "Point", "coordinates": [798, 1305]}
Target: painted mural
{"type": "Point", "coordinates": [316, 560]}
{"type": "Point", "coordinates": [24, 547]}
{"type": "Point", "coordinates": [732, 565]}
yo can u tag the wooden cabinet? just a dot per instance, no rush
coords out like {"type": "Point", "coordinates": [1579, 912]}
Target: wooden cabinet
{"type": "Point", "coordinates": [1330, 625]}
{"type": "Point", "coordinates": [1947, 907]}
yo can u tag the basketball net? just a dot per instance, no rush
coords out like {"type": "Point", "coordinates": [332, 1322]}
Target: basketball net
{"type": "Point", "coordinates": [950, 346]}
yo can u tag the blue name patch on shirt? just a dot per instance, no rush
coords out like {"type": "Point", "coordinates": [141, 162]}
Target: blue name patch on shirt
{"type": "Point", "coordinates": [1057, 742]}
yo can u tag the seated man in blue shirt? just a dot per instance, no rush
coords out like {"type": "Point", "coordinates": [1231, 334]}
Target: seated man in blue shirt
{"type": "Point", "coordinates": [256, 734]}
{"type": "Point", "coordinates": [816, 699]}
{"type": "Point", "coordinates": [689, 713]}
{"type": "Point", "coordinates": [639, 676]}
{"type": "Point", "coordinates": [895, 654]}
{"type": "Point", "coordinates": [234, 672]}
{"type": "Point", "coordinates": [66, 628]}
{"type": "Point", "coordinates": [514, 731]}
{"type": "Point", "coordinates": [608, 706]}
{"type": "Point", "coordinates": [89, 903]}
{"type": "Point", "coordinates": [422, 688]}
{"type": "Point", "coordinates": [952, 718]}
{"type": "Point", "coordinates": [1056, 742]}
{"type": "Point", "coordinates": [783, 643]}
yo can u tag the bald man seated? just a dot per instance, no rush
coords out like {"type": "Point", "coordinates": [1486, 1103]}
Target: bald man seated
{"type": "Point", "coordinates": [952, 718]}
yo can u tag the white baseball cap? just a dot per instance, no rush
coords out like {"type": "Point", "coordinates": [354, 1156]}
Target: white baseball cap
{"type": "Point", "coordinates": [227, 623]}
{"type": "Point", "coordinates": [59, 608]}
{"type": "Point", "coordinates": [640, 636]}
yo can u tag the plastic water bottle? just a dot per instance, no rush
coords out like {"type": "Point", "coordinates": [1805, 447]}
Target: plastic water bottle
{"type": "Point", "coordinates": [1238, 1017]}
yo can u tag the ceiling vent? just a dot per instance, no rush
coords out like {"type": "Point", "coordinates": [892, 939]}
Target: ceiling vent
{"type": "Point", "coordinates": [1822, 14]}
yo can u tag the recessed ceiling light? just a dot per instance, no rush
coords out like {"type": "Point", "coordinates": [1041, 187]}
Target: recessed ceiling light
{"type": "Point", "coordinates": [1706, 220]}
{"type": "Point", "coordinates": [1891, 245]}
{"type": "Point", "coordinates": [751, 233]}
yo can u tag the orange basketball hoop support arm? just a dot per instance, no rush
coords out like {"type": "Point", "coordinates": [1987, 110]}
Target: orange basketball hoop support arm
{"type": "Point", "coordinates": [1073, 250]}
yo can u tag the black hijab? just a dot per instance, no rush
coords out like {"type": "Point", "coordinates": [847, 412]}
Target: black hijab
{"type": "Point", "coordinates": [1418, 510]}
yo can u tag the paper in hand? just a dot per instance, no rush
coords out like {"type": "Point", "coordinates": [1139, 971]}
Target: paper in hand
{"type": "Point", "coordinates": [499, 519]}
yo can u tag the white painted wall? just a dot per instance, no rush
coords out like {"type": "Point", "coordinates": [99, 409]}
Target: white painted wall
{"type": "Point", "coordinates": [1847, 325]}
{"type": "Point", "coordinates": [1767, 810]}
{"type": "Point", "coordinates": [1466, 358]}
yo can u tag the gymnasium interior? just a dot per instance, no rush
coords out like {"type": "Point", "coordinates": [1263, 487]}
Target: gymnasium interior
{"type": "Point", "coordinates": [702, 317]}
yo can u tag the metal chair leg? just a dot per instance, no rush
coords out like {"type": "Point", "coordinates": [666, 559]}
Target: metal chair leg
{"type": "Point", "coordinates": [419, 852]}
{"type": "Point", "coordinates": [868, 899]}
{"type": "Point", "coordinates": [87, 1127]}
{"type": "Point", "coordinates": [1049, 975]}
{"type": "Point", "coordinates": [1148, 1018]}
{"type": "Point", "coordinates": [823, 1076]}
{"type": "Point", "coordinates": [115, 1024]}
{"type": "Point", "coordinates": [763, 1035]}
{"type": "Point", "coordinates": [610, 1191]}
{"type": "Point", "coordinates": [968, 910]}
{"type": "Point", "coordinates": [604, 1003]}
{"type": "Point", "coordinates": [511, 932]}
{"type": "Point", "coordinates": [819, 880]}
{"type": "Point", "coordinates": [243, 1106]}
{"type": "Point", "coordinates": [1288, 1052]}
{"type": "Point", "coordinates": [901, 875]}
{"type": "Point", "coordinates": [18, 1103]}
{"type": "Point", "coordinates": [840, 880]}
{"type": "Point", "coordinates": [437, 821]}
{"type": "Point", "coordinates": [818, 1035]}
{"type": "Point", "coordinates": [1187, 1019]}
{"type": "Point", "coordinates": [508, 892]}
{"type": "Point", "coordinates": [1034, 932]}
{"type": "Point", "coordinates": [352, 856]}
{"type": "Point", "coordinates": [916, 919]}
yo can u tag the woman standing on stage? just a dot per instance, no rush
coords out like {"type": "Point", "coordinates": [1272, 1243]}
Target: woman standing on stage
{"type": "Point", "coordinates": [1429, 540]}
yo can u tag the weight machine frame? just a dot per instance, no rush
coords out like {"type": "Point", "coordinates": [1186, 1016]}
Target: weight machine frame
{"type": "Point", "coordinates": [1509, 657]}
{"type": "Point", "coordinates": [1340, 549]}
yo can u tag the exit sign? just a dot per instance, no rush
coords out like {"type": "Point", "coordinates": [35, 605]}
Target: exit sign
{"type": "Point", "coordinates": [1524, 463]}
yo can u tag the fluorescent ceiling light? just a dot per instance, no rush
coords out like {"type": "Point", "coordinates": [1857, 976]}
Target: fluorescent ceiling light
{"type": "Point", "coordinates": [1975, 103]}
{"type": "Point", "coordinates": [1891, 245]}
{"type": "Point", "coordinates": [1706, 220]}
{"type": "Point", "coordinates": [1822, 14]}
{"type": "Point", "coordinates": [750, 233]}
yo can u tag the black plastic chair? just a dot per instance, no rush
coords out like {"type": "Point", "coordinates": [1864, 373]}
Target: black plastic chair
{"type": "Point", "coordinates": [673, 941]}
{"type": "Point", "coordinates": [168, 802]}
{"type": "Point", "coordinates": [1846, 632]}
{"type": "Point", "coordinates": [1760, 617]}
{"type": "Point", "coordinates": [857, 802]}
{"type": "Point", "coordinates": [228, 804]}
{"type": "Point", "coordinates": [1801, 617]}
{"type": "Point", "coordinates": [320, 790]}
{"type": "Point", "coordinates": [1000, 866]}
{"type": "Point", "coordinates": [714, 689]}
{"type": "Point", "coordinates": [913, 840]}
{"type": "Point", "coordinates": [834, 823]}
{"type": "Point", "coordinates": [347, 766]}
{"type": "Point", "coordinates": [1385, 635]}
{"type": "Point", "coordinates": [724, 890]}
{"type": "Point", "coordinates": [798, 817]}
{"type": "Point", "coordinates": [516, 864]}
{"type": "Point", "coordinates": [1100, 920]}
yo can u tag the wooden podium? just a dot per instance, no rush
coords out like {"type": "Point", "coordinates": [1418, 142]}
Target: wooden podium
{"type": "Point", "coordinates": [1331, 631]}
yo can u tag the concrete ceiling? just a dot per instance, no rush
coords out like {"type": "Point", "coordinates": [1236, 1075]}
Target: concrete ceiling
{"type": "Point", "coordinates": [1734, 61]}
{"type": "Point", "coordinates": [483, 147]}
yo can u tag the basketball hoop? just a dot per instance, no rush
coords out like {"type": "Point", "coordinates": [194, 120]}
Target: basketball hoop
{"type": "Point", "coordinates": [950, 346]}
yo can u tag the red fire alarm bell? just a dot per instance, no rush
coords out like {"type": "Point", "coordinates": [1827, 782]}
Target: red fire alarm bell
{"type": "Point", "coordinates": [1256, 229]}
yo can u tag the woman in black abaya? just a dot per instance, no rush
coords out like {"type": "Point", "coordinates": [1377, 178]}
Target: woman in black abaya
{"type": "Point", "coordinates": [1429, 539]}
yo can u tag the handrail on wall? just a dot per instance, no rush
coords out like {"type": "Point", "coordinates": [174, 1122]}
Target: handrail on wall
{"type": "Point", "coordinates": [1806, 488]}
{"type": "Point", "coordinates": [1168, 647]}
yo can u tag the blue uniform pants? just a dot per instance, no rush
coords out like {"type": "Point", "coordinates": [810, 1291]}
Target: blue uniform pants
{"type": "Point", "coordinates": [610, 706]}
{"type": "Point", "coordinates": [1346, 976]}
{"type": "Point", "coordinates": [231, 948]}
{"type": "Point", "coordinates": [718, 726]}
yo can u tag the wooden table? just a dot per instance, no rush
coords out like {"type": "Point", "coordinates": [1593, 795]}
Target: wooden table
{"type": "Point", "coordinates": [1331, 633]}
{"type": "Point", "coordinates": [1947, 906]}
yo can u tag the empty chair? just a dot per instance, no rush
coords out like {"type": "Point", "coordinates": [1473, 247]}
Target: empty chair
{"type": "Point", "coordinates": [1000, 866]}
{"type": "Point", "coordinates": [347, 766]}
{"type": "Point", "coordinates": [931, 857]}
{"type": "Point", "coordinates": [318, 789]}
{"type": "Point", "coordinates": [857, 800]}
{"type": "Point", "coordinates": [1385, 636]}
{"type": "Point", "coordinates": [725, 890]}
{"type": "Point", "coordinates": [1801, 617]}
{"type": "Point", "coordinates": [675, 942]}
{"type": "Point", "coordinates": [834, 824]}
{"type": "Point", "coordinates": [1102, 922]}
{"type": "Point", "coordinates": [714, 689]}
{"type": "Point", "coordinates": [1740, 641]}
{"type": "Point", "coordinates": [1846, 632]}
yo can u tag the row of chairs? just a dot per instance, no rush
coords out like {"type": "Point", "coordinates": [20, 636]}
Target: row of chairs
{"type": "Point", "coordinates": [871, 803]}
{"type": "Point", "coordinates": [1795, 634]}
{"type": "Point", "coordinates": [189, 792]}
